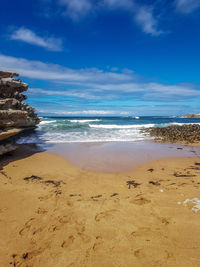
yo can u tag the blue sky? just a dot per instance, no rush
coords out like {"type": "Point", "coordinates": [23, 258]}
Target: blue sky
{"type": "Point", "coordinates": [104, 57]}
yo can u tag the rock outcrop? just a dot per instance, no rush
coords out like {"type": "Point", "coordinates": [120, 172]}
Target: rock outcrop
{"type": "Point", "coordinates": [187, 133]}
{"type": "Point", "coordinates": [15, 116]}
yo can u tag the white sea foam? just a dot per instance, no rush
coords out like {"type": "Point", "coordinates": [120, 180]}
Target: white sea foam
{"type": "Point", "coordinates": [178, 123]}
{"type": "Point", "coordinates": [93, 135]}
{"type": "Point", "coordinates": [114, 126]}
{"type": "Point", "coordinates": [46, 122]}
{"type": "Point", "coordinates": [59, 138]}
{"type": "Point", "coordinates": [84, 121]}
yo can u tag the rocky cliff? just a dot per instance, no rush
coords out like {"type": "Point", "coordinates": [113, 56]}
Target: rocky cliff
{"type": "Point", "coordinates": [16, 116]}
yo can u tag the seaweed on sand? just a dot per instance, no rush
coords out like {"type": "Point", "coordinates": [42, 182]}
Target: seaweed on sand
{"type": "Point", "coordinates": [132, 183]}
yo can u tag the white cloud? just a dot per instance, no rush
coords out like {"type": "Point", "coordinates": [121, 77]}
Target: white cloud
{"type": "Point", "coordinates": [76, 8]}
{"type": "Point", "coordinates": [28, 36]}
{"type": "Point", "coordinates": [95, 83]}
{"type": "Point", "coordinates": [86, 112]}
{"type": "Point", "coordinates": [187, 6]}
{"type": "Point", "coordinates": [66, 92]}
{"type": "Point", "coordinates": [144, 17]}
{"type": "Point", "coordinates": [126, 4]}
{"type": "Point", "coordinates": [39, 70]}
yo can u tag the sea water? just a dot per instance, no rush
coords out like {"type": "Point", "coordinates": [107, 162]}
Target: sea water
{"type": "Point", "coordinates": [55, 130]}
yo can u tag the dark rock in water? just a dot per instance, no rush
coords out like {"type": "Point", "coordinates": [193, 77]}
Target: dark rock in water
{"type": "Point", "coordinates": [15, 115]}
{"type": "Point", "coordinates": [188, 133]}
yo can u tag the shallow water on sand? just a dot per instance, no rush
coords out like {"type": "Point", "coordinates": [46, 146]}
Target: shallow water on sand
{"type": "Point", "coordinates": [119, 156]}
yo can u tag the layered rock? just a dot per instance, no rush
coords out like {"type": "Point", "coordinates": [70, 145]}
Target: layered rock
{"type": "Point", "coordinates": [15, 116]}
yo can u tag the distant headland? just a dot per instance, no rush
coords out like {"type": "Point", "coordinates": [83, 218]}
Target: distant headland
{"type": "Point", "coordinates": [191, 116]}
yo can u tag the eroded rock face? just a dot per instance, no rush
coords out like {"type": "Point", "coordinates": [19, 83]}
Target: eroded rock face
{"type": "Point", "coordinates": [15, 115]}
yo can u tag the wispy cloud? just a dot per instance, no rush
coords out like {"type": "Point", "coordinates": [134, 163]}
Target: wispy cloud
{"type": "Point", "coordinates": [43, 71]}
{"type": "Point", "coordinates": [86, 112]}
{"type": "Point", "coordinates": [126, 4]}
{"type": "Point", "coordinates": [144, 17]}
{"type": "Point", "coordinates": [147, 14]}
{"type": "Point", "coordinates": [95, 83]}
{"type": "Point", "coordinates": [187, 6]}
{"type": "Point", "coordinates": [76, 8]}
{"type": "Point", "coordinates": [26, 35]}
{"type": "Point", "coordinates": [66, 93]}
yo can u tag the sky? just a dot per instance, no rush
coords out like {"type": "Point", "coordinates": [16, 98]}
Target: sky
{"type": "Point", "coordinates": [104, 57]}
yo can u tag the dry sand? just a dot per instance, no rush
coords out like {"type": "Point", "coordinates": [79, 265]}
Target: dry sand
{"type": "Point", "coordinates": [55, 214]}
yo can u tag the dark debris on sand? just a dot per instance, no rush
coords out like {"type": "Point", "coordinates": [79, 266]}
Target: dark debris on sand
{"type": "Point", "coordinates": [150, 170]}
{"type": "Point", "coordinates": [41, 180]}
{"type": "Point", "coordinates": [114, 194]}
{"type": "Point", "coordinates": [132, 183]}
{"type": "Point", "coordinates": [32, 178]}
{"type": "Point", "coordinates": [55, 183]}
{"type": "Point", "coordinates": [154, 183]}
{"type": "Point", "coordinates": [177, 174]}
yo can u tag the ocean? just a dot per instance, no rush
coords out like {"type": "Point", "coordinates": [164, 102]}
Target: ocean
{"type": "Point", "coordinates": [58, 130]}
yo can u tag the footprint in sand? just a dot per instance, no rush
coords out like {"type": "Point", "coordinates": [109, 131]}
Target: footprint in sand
{"type": "Point", "coordinates": [105, 215]}
{"type": "Point", "coordinates": [42, 198]}
{"type": "Point", "coordinates": [142, 231]}
{"type": "Point", "coordinates": [163, 220]}
{"type": "Point", "coordinates": [41, 211]}
{"type": "Point", "coordinates": [59, 222]}
{"type": "Point", "coordinates": [80, 228]}
{"type": "Point", "coordinates": [98, 243]}
{"type": "Point", "coordinates": [70, 203]}
{"type": "Point", "coordinates": [138, 253]}
{"type": "Point", "coordinates": [2, 210]}
{"type": "Point", "coordinates": [68, 242]}
{"type": "Point", "coordinates": [24, 258]}
{"type": "Point", "coordinates": [54, 228]}
{"type": "Point", "coordinates": [65, 219]}
{"type": "Point", "coordinates": [27, 227]}
{"type": "Point", "coordinates": [140, 201]}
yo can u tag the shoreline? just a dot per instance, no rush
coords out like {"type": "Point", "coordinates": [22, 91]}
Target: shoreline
{"type": "Point", "coordinates": [74, 217]}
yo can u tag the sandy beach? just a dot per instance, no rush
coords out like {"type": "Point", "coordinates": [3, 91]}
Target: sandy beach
{"type": "Point", "coordinates": [55, 214]}
{"type": "Point", "coordinates": [99, 133]}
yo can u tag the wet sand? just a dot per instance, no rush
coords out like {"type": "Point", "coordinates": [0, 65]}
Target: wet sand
{"type": "Point", "coordinates": [55, 214]}
{"type": "Point", "coordinates": [119, 156]}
